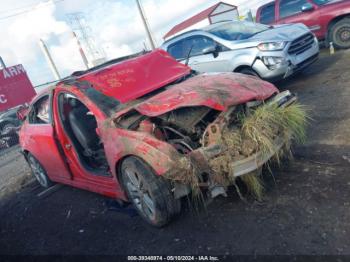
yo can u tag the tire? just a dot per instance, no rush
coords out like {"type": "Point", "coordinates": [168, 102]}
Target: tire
{"type": "Point", "coordinates": [150, 194]}
{"type": "Point", "coordinates": [249, 71]}
{"type": "Point", "coordinates": [38, 171]}
{"type": "Point", "coordinates": [340, 34]}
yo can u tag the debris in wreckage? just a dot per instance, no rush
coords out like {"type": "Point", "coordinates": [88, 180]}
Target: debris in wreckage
{"type": "Point", "coordinates": [254, 132]}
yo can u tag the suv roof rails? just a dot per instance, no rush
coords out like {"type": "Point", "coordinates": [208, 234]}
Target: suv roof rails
{"type": "Point", "coordinates": [190, 31]}
{"type": "Point", "coordinates": [223, 21]}
{"type": "Point", "coordinates": [195, 30]}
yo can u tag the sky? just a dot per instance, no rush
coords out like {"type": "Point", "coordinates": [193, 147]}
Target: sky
{"type": "Point", "coordinates": [115, 25]}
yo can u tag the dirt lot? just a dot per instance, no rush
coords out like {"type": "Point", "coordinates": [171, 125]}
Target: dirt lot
{"type": "Point", "coordinates": [306, 209]}
{"type": "Point", "coordinates": [13, 171]}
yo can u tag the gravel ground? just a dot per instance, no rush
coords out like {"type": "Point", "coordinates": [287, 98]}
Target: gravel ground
{"type": "Point", "coordinates": [14, 173]}
{"type": "Point", "coordinates": [306, 209]}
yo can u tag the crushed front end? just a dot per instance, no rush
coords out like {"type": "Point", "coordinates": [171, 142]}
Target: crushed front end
{"type": "Point", "coordinates": [230, 146]}
{"type": "Point", "coordinates": [213, 128]}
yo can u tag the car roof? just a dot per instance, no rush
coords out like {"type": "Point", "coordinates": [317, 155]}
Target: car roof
{"type": "Point", "coordinates": [218, 24]}
{"type": "Point", "coordinates": [182, 34]}
{"type": "Point", "coordinates": [128, 78]}
{"type": "Point", "coordinates": [205, 29]}
{"type": "Point", "coordinates": [108, 63]}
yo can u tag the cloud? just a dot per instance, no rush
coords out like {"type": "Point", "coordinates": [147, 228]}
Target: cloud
{"type": "Point", "coordinates": [113, 50]}
{"type": "Point", "coordinates": [66, 54]}
{"type": "Point", "coordinates": [127, 27]}
{"type": "Point", "coordinates": [23, 34]}
{"type": "Point", "coordinates": [116, 26]}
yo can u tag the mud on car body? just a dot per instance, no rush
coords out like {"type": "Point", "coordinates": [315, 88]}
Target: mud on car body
{"type": "Point", "coordinates": [148, 130]}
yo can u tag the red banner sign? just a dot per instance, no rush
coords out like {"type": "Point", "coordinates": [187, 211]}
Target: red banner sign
{"type": "Point", "coordinates": [15, 87]}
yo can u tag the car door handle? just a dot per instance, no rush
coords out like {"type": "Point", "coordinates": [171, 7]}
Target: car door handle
{"type": "Point", "coordinates": [68, 146]}
{"type": "Point", "coordinates": [195, 62]}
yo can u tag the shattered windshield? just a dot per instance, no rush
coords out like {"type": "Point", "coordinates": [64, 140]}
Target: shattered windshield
{"type": "Point", "coordinates": [238, 30]}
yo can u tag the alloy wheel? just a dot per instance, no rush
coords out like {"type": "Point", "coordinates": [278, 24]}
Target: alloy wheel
{"type": "Point", "coordinates": [38, 172]}
{"type": "Point", "coordinates": [139, 193]}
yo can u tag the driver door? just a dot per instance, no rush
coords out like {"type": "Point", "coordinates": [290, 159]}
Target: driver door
{"type": "Point", "coordinates": [87, 172]}
{"type": "Point", "coordinates": [291, 12]}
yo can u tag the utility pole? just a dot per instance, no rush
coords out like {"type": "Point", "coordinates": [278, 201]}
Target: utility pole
{"type": "Point", "coordinates": [81, 51]}
{"type": "Point", "coordinates": [144, 20]}
{"type": "Point", "coordinates": [49, 59]}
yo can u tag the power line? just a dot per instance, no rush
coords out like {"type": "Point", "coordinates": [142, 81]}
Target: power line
{"type": "Point", "coordinates": [78, 24]}
{"type": "Point", "coordinates": [47, 83]}
{"type": "Point", "coordinates": [30, 9]}
{"type": "Point", "coordinates": [23, 7]}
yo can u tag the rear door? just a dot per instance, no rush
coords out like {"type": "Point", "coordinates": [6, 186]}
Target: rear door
{"type": "Point", "coordinates": [39, 139]}
{"type": "Point", "coordinates": [290, 11]}
{"type": "Point", "coordinates": [85, 176]}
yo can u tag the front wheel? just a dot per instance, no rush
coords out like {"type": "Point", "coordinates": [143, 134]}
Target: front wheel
{"type": "Point", "coordinates": [340, 34]}
{"type": "Point", "coordinates": [38, 171]}
{"type": "Point", "coordinates": [249, 71]}
{"type": "Point", "coordinates": [150, 194]}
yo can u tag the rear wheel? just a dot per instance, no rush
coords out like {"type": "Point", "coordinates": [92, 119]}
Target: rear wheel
{"type": "Point", "coordinates": [38, 171]}
{"type": "Point", "coordinates": [150, 194]}
{"type": "Point", "coordinates": [340, 34]}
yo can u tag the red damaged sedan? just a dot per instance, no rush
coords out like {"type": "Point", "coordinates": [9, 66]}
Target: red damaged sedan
{"type": "Point", "coordinates": [149, 130]}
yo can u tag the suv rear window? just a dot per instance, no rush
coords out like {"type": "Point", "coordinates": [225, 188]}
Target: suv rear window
{"type": "Point", "coordinates": [290, 7]}
{"type": "Point", "coordinates": [267, 14]}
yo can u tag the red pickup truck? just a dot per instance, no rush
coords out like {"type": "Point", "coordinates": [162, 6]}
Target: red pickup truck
{"type": "Point", "coordinates": [329, 20]}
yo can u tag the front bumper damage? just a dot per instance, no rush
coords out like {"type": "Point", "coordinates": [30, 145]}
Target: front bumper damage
{"type": "Point", "coordinates": [290, 65]}
{"type": "Point", "coordinates": [254, 162]}
{"type": "Point", "coordinates": [199, 161]}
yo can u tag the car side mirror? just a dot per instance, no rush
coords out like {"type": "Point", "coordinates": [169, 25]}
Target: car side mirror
{"type": "Point", "coordinates": [22, 113]}
{"type": "Point", "coordinates": [214, 49]}
{"type": "Point", "coordinates": [307, 7]}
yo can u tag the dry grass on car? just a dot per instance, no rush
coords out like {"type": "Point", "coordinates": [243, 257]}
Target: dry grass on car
{"type": "Point", "coordinates": [256, 132]}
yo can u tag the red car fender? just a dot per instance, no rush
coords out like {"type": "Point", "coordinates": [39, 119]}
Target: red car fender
{"type": "Point", "coordinates": [120, 143]}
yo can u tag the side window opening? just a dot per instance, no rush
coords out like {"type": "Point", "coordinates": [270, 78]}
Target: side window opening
{"type": "Point", "coordinates": [80, 125]}
{"type": "Point", "coordinates": [199, 43]}
{"type": "Point", "coordinates": [267, 14]}
{"type": "Point", "coordinates": [41, 111]}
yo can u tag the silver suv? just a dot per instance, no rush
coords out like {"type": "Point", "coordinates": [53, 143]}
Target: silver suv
{"type": "Point", "coordinates": [270, 52]}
